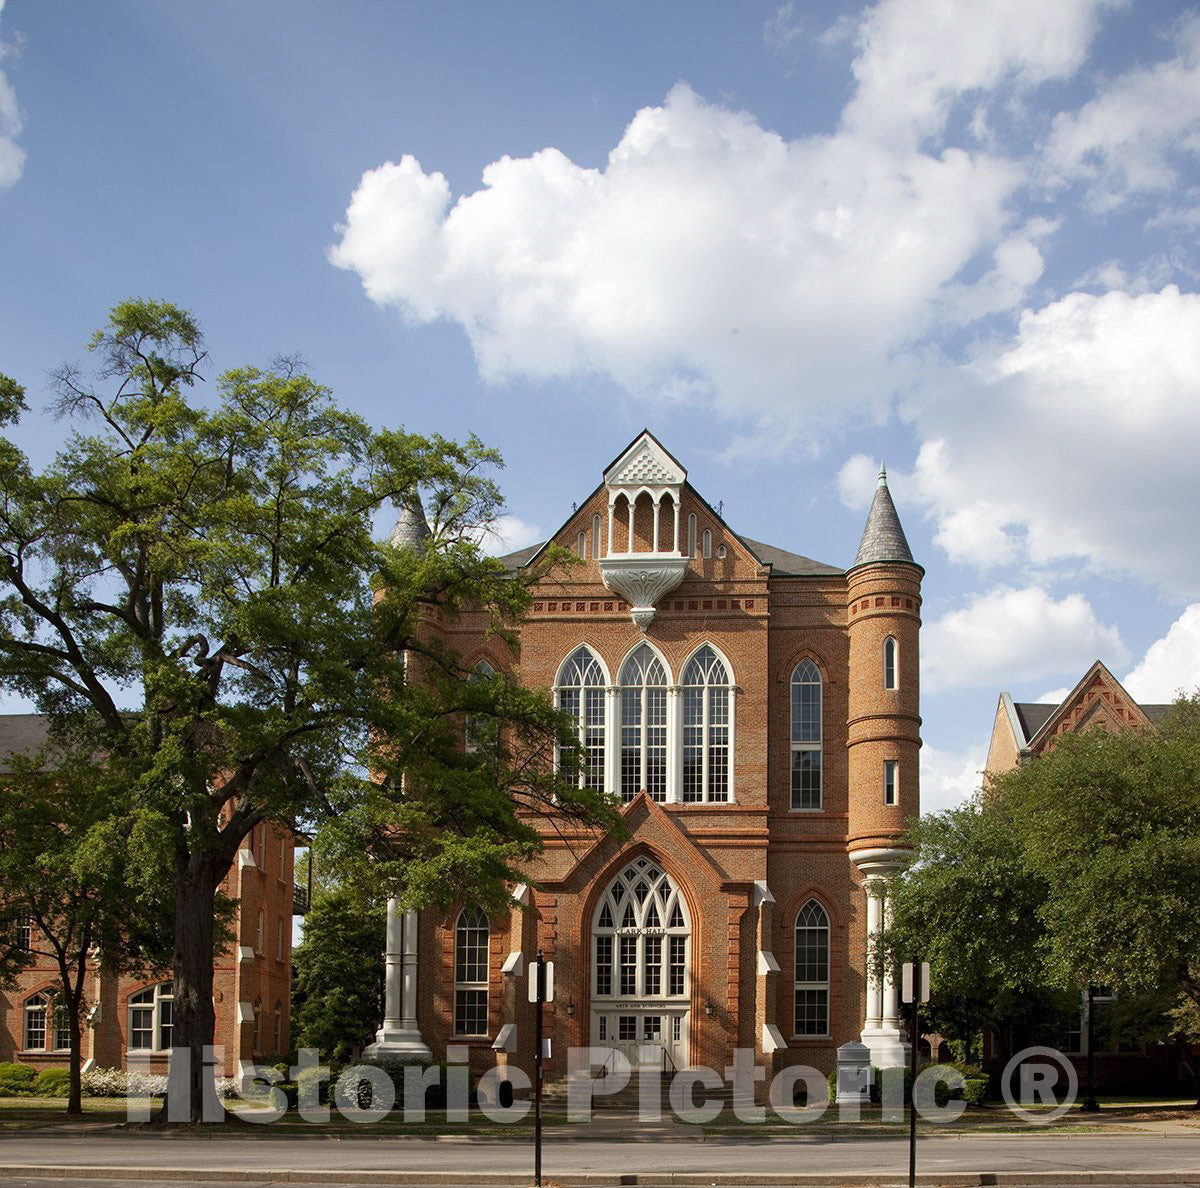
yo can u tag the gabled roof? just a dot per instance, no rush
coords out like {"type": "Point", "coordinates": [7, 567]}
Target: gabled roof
{"type": "Point", "coordinates": [785, 564]}
{"type": "Point", "coordinates": [883, 539]}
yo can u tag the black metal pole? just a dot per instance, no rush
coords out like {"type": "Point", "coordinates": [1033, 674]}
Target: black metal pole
{"type": "Point", "coordinates": [914, 1039]}
{"type": "Point", "coordinates": [1090, 1104]}
{"type": "Point", "coordinates": [539, 970]}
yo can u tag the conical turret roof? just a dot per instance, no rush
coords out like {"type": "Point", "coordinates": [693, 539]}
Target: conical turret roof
{"type": "Point", "coordinates": [882, 539]}
{"type": "Point", "coordinates": [411, 531]}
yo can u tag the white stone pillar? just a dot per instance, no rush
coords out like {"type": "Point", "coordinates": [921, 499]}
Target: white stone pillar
{"type": "Point", "coordinates": [611, 516]}
{"type": "Point", "coordinates": [678, 546]}
{"type": "Point", "coordinates": [631, 503]}
{"type": "Point", "coordinates": [400, 1036]}
{"type": "Point", "coordinates": [874, 989]}
{"type": "Point", "coordinates": [674, 758]}
{"type": "Point", "coordinates": [657, 512]}
{"type": "Point", "coordinates": [891, 1015]}
{"type": "Point", "coordinates": [612, 739]}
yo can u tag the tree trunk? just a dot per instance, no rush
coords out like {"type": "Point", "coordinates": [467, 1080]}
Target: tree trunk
{"type": "Point", "coordinates": [75, 1095]}
{"type": "Point", "coordinates": [191, 1091]}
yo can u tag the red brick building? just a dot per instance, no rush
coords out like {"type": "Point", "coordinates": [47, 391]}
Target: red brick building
{"type": "Point", "coordinates": [129, 1016]}
{"type": "Point", "coordinates": [757, 712]}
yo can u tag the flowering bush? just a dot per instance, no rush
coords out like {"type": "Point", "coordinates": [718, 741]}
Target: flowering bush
{"type": "Point", "coordinates": [116, 1082]}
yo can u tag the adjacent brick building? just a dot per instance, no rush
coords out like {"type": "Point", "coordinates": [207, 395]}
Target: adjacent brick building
{"type": "Point", "coordinates": [129, 1016]}
{"type": "Point", "coordinates": [758, 713]}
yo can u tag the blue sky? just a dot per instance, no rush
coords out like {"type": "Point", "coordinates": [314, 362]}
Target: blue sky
{"type": "Point", "coordinates": [789, 239]}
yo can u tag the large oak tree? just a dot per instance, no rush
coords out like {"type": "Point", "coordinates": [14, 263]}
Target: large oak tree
{"type": "Point", "coordinates": [201, 584]}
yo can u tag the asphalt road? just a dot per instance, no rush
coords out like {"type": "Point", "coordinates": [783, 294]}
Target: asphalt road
{"type": "Point", "coordinates": [489, 1162]}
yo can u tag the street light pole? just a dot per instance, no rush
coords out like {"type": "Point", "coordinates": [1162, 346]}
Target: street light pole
{"type": "Point", "coordinates": [539, 971]}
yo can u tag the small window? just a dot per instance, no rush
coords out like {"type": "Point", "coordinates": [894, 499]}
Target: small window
{"type": "Point", "coordinates": [23, 937]}
{"type": "Point", "coordinates": [707, 543]}
{"type": "Point", "coordinates": [278, 1027]}
{"type": "Point", "coordinates": [62, 1032]}
{"type": "Point", "coordinates": [282, 859]}
{"type": "Point", "coordinates": [279, 944]}
{"type": "Point", "coordinates": [581, 545]}
{"type": "Point", "coordinates": [259, 929]}
{"type": "Point", "coordinates": [720, 552]}
{"type": "Point", "coordinates": [151, 1018]}
{"type": "Point", "coordinates": [595, 537]}
{"type": "Point", "coordinates": [257, 1038]}
{"type": "Point", "coordinates": [692, 535]}
{"type": "Point", "coordinates": [891, 781]}
{"type": "Point", "coordinates": [35, 1024]}
{"type": "Point", "coordinates": [890, 672]}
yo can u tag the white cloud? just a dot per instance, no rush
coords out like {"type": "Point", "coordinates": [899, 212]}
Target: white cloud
{"type": "Point", "coordinates": [917, 57]}
{"type": "Point", "coordinates": [1012, 635]}
{"type": "Point", "coordinates": [949, 778]}
{"type": "Point", "coordinates": [1126, 141]}
{"type": "Point", "coordinates": [1055, 696]}
{"type": "Point", "coordinates": [1075, 440]}
{"type": "Point", "coordinates": [783, 280]}
{"type": "Point", "coordinates": [507, 534]}
{"type": "Point", "coordinates": [1171, 665]}
{"type": "Point", "coordinates": [12, 156]}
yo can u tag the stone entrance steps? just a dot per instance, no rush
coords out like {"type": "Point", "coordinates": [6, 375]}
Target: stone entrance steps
{"type": "Point", "coordinates": [628, 1099]}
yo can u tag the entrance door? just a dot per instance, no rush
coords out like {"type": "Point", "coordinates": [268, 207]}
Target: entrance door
{"type": "Point", "coordinates": [644, 1035]}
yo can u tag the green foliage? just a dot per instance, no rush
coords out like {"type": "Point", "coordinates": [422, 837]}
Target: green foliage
{"type": "Point", "coordinates": [52, 1082]}
{"type": "Point", "coordinates": [975, 1091]}
{"type": "Point", "coordinates": [338, 1004]}
{"type": "Point", "coordinates": [215, 566]}
{"type": "Point", "coordinates": [16, 1080]}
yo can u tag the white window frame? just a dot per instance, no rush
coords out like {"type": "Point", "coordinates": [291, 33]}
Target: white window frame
{"type": "Point", "coordinates": [161, 1005]}
{"type": "Point", "coordinates": [801, 679]}
{"type": "Point", "coordinates": [808, 985]}
{"type": "Point", "coordinates": [467, 967]}
{"type": "Point", "coordinates": [641, 688]}
{"type": "Point", "coordinates": [891, 663]}
{"type": "Point", "coordinates": [600, 689]}
{"type": "Point", "coordinates": [706, 722]}
{"type": "Point", "coordinates": [891, 781]}
{"type": "Point", "coordinates": [37, 1007]}
{"type": "Point", "coordinates": [691, 531]}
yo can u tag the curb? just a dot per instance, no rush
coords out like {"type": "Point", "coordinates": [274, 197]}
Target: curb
{"type": "Point", "coordinates": [598, 1179]}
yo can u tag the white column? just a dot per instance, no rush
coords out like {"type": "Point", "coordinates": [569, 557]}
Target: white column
{"type": "Point", "coordinates": [400, 1035]}
{"type": "Point", "coordinates": [631, 502]}
{"type": "Point", "coordinates": [891, 1015]}
{"type": "Point", "coordinates": [874, 922]}
{"type": "Point", "coordinates": [674, 745]}
{"type": "Point", "coordinates": [657, 509]}
{"type": "Point", "coordinates": [611, 513]}
{"type": "Point", "coordinates": [612, 739]}
{"type": "Point", "coordinates": [675, 501]}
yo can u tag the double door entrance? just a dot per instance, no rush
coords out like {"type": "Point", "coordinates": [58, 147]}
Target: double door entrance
{"type": "Point", "coordinates": [655, 1036]}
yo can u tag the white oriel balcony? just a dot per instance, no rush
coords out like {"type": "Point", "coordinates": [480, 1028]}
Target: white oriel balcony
{"type": "Point", "coordinates": [643, 559]}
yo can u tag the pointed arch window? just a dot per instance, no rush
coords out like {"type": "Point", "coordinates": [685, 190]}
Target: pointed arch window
{"type": "Point", "coordinates": [641, 958]}
{"type": "Point", "coordinates": [643, 683]}
{"type": "Point", "coordinates": [471, 942]}
{"type": "Point", "coordinates": [581, 694]}
{"type": "Point", "coordinates": [478, 724]}
{"type": "Point", "coordinates": [707, 715]}
{"type": "Point", "coordinates": [812, 970]}
{"type": "Point", "coordinates": [806, 736]}
{"type": "Point", "coordinates": [891, 671]}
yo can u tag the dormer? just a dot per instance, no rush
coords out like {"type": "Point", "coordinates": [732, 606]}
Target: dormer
{"type": "Point", "coordinates": [643, 560]}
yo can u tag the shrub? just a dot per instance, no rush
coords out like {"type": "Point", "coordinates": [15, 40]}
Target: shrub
{"type": "Point", "coordinates": [975, 1091]}
{"type": "Point", "coordinates": [53, 1082]}
{"type": "Point", "coordinates": [116, 1082]}
{"type": "Point", "coordinates": [16, 1080]}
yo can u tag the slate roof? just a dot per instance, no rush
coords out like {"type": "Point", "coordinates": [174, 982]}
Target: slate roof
{"type": "Point", "coordinates": [785, 564]}
{"type": "Point", "coordinates": [411, 530]}
{"type": "Point", "coordinates": [21, 734]}
{"type": "Point", "coordinates": [883, 539]}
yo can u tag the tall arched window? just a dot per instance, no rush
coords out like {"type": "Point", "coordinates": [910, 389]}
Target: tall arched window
{"type": "Point", "coordinates": [891, 673]}
{"type": "Point", "coordinates": [806, 736]}
{"type": "Point", "coordinates": [581, 694]}
{"type": "Point", "coordinates": [278, 1032]}
{"type": "Point", "coordinates": [641, 912]}
{"type": "Point", "coordinates": [35, 1023]}
{"type": "Point", "coordinates": [477, 728]}
{"type": "Point", "coordinates": [257, 1044]}
{"type": "Point", "coordinates": [706, 721]}
{"type": "Point", "coordinates": [643, 684]}
{"type": "Point", "coordinates": [471, 936]}
{"type": "Point", "coordinates": [812, 970]}
{"type": "Point", "coordinates": [691, 541]}
{"type": "Point", "coordinates": [595, 537]}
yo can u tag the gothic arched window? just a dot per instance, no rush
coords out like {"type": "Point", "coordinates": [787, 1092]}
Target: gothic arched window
{"type": "Point", "coordinates": [581, 694]}
{"type": "Point", "coordinates": [812, 970]}
{"type": "Point", "coordinates": [643, 682]}
{"type": "Point", "coordinates": [471, 936]}
{"type": "Point", "coordinates": [806, 736]}
{"type": "Point", "coordinates": [707, 713]}
{"type": "Point", "coordinates": [891, 670]}
{"type": "Point", "coordinates": [640, 936]}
